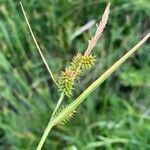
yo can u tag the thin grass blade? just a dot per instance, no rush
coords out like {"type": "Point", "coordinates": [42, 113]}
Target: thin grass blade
{"type": "Point", "coordinates": [35, 41]}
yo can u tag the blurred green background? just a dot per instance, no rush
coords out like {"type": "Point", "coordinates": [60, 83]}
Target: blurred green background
{"type": "Point", "coordinates": [116, 116]}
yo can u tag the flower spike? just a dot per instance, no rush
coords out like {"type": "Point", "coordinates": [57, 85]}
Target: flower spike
{"type": "Point", "coordinates": [99, 31]}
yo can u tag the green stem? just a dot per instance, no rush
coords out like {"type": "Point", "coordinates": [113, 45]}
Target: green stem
{"type": "Point", "coordinates": [46, 132]}
{"type": "Point", "coordinates": [50, 125]}
{"type": "Point", "coordinates": [57, 105]}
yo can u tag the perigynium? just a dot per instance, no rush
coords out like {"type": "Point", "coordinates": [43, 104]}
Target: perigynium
{"type": "Point", "coordinates": [78, 66]}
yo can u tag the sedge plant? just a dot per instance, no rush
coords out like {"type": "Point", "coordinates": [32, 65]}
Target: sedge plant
{"type": "Point", "coordinates": [78, 66]}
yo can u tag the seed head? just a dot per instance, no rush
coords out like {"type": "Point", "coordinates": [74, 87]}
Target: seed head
{"type": "Point", "coordinates": [76, 62]}
{"type": "Point", "coordinates": [81, 63]}
{"type": "Point", "coordinates": [66, 82]}
{"type": "Point", "coordinates": [87, 62]}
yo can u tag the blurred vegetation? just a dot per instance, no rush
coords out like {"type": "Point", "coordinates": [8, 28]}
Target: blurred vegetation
{"type": "Point", "coordinates": [115, 116]}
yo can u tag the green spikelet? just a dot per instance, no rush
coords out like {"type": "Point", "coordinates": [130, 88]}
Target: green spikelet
{"type": "Point", "coordinates": [87, 62]}
{"type": "Point", "coordinates": [66, 82]}
{"type": "Point", "coordinates": [76, 61]}
{"type": "Point", "coordinates": [81, 63]}
{"type": "Point", "coordinates": [67, 119]}
{"type": "Point", "coordinates": [59, 110]}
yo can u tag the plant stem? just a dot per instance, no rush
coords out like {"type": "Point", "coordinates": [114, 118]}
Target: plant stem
{"type": "Point", "coordinates": [46, 132]}
{"type": "Point", "coordinates": [50, 125]}
{"type": "Point", "coordinates": [57, 105]}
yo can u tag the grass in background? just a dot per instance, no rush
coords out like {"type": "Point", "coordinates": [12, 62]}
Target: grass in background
{"type": "Point", "coordinates": [115, 116]}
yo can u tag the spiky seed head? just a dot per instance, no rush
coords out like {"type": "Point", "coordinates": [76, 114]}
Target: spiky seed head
{"type": "Point", "coordinates": [67, 118]}
{"type": "Point", "coordinates": [66, 82]}
{"type": "Point", "coordinates": [83, 62]}
{"type": "Point", "coordinates": [79, 64]}
{"type": "Point", "coordinates": [76, 61]}
{"type": "Point", "coordinates": [87, 61]}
